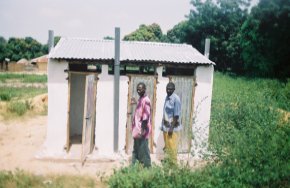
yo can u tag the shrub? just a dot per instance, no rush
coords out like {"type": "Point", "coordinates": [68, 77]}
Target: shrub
{"type": "Point", "coordinates": [11, 93]}
{"type": "Point", "coordinates": [157, 176]}
{"type": "Point", "coordinates": [247, 137]}
{"type": "Point", "coordinates": [19, 107]}
{"type": "Point", "coordinates": [5, 95]}
{"type": "Point", "coordinates": [18, 179]}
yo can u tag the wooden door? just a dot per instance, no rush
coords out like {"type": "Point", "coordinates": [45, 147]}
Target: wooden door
{"type": "Point", "coordinates": [89, 116]}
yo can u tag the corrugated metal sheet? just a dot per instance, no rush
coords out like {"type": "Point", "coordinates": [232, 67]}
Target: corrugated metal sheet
{"type": "Point", "coordinates": [150, 82]}
{"type": "Point", "coordinates": [184, 89]}
{"type": "Point", "coordinates": [92, 49]}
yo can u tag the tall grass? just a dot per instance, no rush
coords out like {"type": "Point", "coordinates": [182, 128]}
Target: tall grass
{"type": "Point", "coordinates": [249, 141]}
{"type": "Point", "coordinates": [248, 136]}
{"type": "Point", "coordinates": [9, 93]}
{"type": "Point", "coordinates": [25, 78]}
{"type": "Point", "coordinates": [19, 107]}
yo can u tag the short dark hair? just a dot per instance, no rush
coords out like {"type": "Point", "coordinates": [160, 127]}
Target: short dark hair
{"type": "Point", "coordinates": [143, 85]}
{"type": "Point", "coordinates": [171, 84]}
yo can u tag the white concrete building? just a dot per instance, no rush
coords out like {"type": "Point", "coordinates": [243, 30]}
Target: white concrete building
{"type": "Point", "coordinates": [81, 94]}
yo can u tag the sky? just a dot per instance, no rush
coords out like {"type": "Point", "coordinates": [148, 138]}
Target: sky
{"type": "Point", "coordinates": [86, 18]}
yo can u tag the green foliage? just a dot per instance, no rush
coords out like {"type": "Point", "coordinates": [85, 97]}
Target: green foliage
{"type": "Point", "coordinates": [249, 138]}
{"type": "Point", "coordinates": [56, 39]}
{"type": "Point", "coordinates": [265, 39]}
{"type": "Point", "coordinates": [3, 49]}
{"type": "Point", "coordinates": [20, 93]}
{"type": "Point", "coordinates": [151, 32]}
{"type": "Point", "coordinates": [162, 177]}
{"type": "Point", "coordinates": [18, 48]}
{"type": "Point", "coordinates": [220, 22]}
{"type": "Point", "coordinates": [249, 43]}
{"type": "Point", "coordinates": [108, 38]}
{"type": "Point", "coordinates": [23, 48]}
{"type": "Point", "coordinates": [23, 179]}
{"type": "Point", "coordinates": [8, 92]}
{"type": "Point", "coordinates": [5, 95]}
{"type": "Point", "coordinates": [19, 107]}
{"type": "Point", "coordinates": [18, 179]}
{"type": "Point", "coordinates": [178, 33]}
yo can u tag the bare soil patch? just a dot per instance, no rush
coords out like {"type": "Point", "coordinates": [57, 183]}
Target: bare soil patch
{"type": "Point", "coordinates": [22, 139]}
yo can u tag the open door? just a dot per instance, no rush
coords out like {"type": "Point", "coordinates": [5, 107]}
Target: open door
{"type": "Point", "coordinates": [89, 116]}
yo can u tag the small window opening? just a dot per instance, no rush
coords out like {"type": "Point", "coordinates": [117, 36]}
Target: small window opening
{"type": "Point", "coordinates": [133, 69]}
{"type": "Point", "coordinates": [178, 71]}
{"type": "Point", "coordinates": [85, 67]}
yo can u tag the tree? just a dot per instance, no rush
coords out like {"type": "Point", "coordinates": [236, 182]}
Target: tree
{"type": "Point", "coordinates": [266, 38]}
{"type": "Point", "coordinates": [56, 39]}
{"type": "Point", "coordinates": [108, 38]}
{"type": "Point", "coordinates": [23, 48]}
{"type": "Point", "coordinates": [178, 33]}
{"type": "Point", "coordinates": [151, 32]}
{"type": "Point", "coordinates": [3, 49]}
{"type": "Point", "coordinates": [44, 48]}
{"type": "Point", "coordinates": [220, 22]}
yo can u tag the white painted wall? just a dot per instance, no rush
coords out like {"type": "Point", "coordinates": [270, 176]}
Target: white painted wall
{"type": "Point", "coordinates": [104, 130]}
{"type": "Point", "coordinates": [202, 108]}
{"type": "Point", "coordinates": [104, 140]}
{"type": "Point", "coordinates": [57, 109]}
{"type": "Point", "coordinates": [124, 84]}
{"type": "Point", "coordinates": [160, 97]}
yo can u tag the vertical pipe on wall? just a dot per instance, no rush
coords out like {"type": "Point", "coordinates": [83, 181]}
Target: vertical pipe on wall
{"type": "Point", "coordinates": [50, 40]}
{"type": "Point", "coordinates": [116, 88]}
{"type": "Point", "coordinates": [206, 47]}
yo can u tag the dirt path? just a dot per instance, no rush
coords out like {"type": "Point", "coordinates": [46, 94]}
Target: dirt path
{"type": "Point", "coordinates": [20, 140]}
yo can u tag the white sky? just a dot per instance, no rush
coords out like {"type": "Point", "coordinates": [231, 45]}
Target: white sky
{"type": "Point", "coordinates": [86, 18]}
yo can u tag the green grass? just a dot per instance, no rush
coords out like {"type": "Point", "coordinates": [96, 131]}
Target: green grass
{"type": "Point", "coordinates": [25, 78]}
{"type": "Point", "coordinates": [15, 98]}
{"type": "Point", "coordinates": [19, 107]}
{"type": "Point", "coordinates": [9, 93]}
{"type": "Point", "coordinates": [21, 179]}
{"type": "Point", "coordinates": [249, 136]}
{"type": "Point", "coordinates": [231, 89]}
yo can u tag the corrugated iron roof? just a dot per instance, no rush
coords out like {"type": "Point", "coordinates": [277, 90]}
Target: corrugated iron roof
{"type": "Point", "coordinates": [41, 59]}
{"type": "Point", "coordinates": [93, 49]}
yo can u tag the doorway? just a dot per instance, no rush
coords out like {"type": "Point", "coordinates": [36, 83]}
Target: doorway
{"type": "Point", "coordinates": [185, 88]}
{"type": "Point", "coordinates": [150, 82]}
{"type": "Point", "coordinates": [81, 114]}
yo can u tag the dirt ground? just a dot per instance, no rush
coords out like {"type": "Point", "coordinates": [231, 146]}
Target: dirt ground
{"type": "Point", "coordinates": [21, 140]}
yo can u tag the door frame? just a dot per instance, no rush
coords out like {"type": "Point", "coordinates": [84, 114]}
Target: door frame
{"type": "Point", "coordinates": [68, 141]}
{"type": "Point", "coordinates": [130, 113]}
